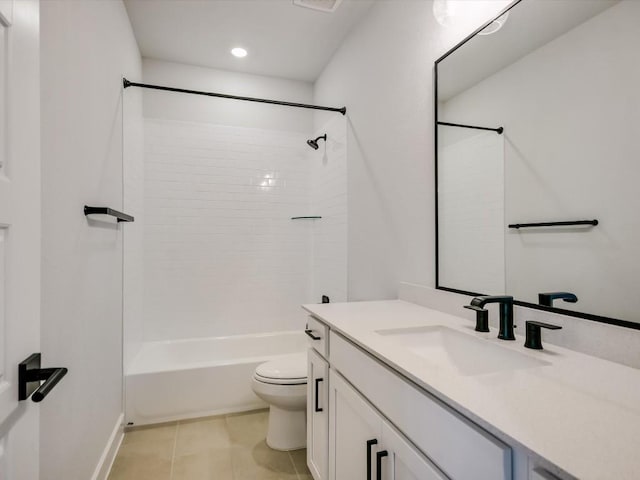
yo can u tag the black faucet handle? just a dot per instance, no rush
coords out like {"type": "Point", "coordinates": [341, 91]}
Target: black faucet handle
{"type": "Point", "coordinates": [534, 335]}
{"type": "Point", "coordinates": [483, 300]}
{"type": "Point", "coordinates": [546, 299]}
{"type": "Point", "coordinates": [482, 318]}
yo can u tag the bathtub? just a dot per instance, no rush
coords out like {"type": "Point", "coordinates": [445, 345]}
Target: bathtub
{"type": "Point", "coordinates": [191, 378]}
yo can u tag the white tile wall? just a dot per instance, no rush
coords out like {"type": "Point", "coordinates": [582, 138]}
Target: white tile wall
{"type": "Point", "coordinates": [221, 254]}
{"type": "Point", "coordinates": [329, 199]}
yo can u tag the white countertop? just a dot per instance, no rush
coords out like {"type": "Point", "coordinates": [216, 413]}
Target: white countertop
{"type": "Point", "coordinates": [579, 413]}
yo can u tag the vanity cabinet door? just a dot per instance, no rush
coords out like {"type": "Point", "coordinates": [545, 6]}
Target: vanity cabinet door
{"type": "Point", "coordinates": [352, 424]}
{"type": "Point", "coordinates": [403, 461]}
{"type": "Point", "coordinates": [317, 415]}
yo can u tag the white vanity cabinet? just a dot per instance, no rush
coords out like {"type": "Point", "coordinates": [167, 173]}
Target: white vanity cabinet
{"type": "Point", "coordinates": [396, 379]}
{"type": "Point", "coordinates": [358, 407]}
{"type": "Point", "coordinates": [458, 447]}
{"type": "Point", "coordinates": [364, 445]}
{"type": "Point", "coordinates": [317, 415]}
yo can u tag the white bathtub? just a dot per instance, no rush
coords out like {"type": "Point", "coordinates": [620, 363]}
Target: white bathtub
{"type": "Point", "coordinates": [198, 377]}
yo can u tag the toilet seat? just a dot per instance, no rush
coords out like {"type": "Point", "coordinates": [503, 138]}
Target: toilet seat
{"type": "Point", "coordinates": [286, 370]}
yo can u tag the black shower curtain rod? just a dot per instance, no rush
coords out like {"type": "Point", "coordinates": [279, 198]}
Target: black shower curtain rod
{"type": "Point", "coordinates": [126, 83]}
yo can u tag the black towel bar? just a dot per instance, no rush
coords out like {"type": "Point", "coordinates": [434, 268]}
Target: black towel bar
{"type": "Point", "coordinates": [554, 224]}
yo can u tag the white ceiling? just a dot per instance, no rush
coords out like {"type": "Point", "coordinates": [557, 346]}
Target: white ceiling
{"type": "Point", "coordinates": [282, 39]}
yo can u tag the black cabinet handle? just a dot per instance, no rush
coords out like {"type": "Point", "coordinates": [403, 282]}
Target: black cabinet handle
{"type": "Point", "coordinates": [317, 408]}
{"type": "Point", "coordinates": [379, 457]}
{"type": "Point", "coordinates": [310, 333]}
{"type": "Point", "coordinates": [30, 375]}
{"type": "Point", "coordinates": [370, 443]}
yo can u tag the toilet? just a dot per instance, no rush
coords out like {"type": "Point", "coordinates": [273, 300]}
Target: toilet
{"type": "Point", "coordinates": [282, 383]}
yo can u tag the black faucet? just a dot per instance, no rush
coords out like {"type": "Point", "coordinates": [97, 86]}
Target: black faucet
{"type": "Point", "coordinates": [546, 299]}
{"type": "Point", "coordinates": [482, 318]}
{"type": "Point", "coordinates": [506, 313]}
{"type": "Point", "coordinates": [534, 336]}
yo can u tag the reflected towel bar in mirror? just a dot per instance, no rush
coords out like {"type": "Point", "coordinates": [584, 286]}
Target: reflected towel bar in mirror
{"type": "Point", "coordinates": [554, 224]}
{"type": "Point", "coordinates": [122, 217]}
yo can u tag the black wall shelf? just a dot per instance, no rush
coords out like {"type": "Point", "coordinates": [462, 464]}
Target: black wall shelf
{"type": "Point", "coordinates": [122, 217]}
{"type": "Point", "coordinates": [312, 217]}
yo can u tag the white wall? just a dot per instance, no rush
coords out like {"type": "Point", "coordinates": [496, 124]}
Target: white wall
{"type": "Point", "coordinates": [196, 108]}
{"type": "Point", "coordinates": [570, 113]}
{"type": "Point", "coordinates": [383, 74]}
{"type": "Point", "coordinates": [221, 253]}
{"type": "Point", "coordinates": [86, 48]}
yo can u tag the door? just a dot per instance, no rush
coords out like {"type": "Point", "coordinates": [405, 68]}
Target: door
{"type": "Point", "coordinates": [317, 415]}
{"type": "Point", "coordinates": [354, 433]}
{"type": "Point", "coordinates": [19, 231]}
{"type": "Point", "coordinates": [403, 461]}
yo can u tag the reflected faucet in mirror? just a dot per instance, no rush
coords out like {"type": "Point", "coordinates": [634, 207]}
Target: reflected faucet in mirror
{"type": "Point", "coordinates": [505, 331]}
{"type": "Point", "coordinates": [546, 299]}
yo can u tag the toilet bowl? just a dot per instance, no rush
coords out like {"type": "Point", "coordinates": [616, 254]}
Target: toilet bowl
{"type": "Point", "coordinates": [282, 383]}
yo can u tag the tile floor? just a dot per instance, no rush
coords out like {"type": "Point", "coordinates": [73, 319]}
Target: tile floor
{"type": "Point", "coordinates": [227, 447]}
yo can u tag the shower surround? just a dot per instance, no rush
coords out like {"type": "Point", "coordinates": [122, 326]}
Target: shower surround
{"type": "Point", "coordinates": [220, 256]}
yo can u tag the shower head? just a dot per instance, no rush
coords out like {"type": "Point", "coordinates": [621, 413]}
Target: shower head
{"type": "Point", "coordinates": [314, 143]}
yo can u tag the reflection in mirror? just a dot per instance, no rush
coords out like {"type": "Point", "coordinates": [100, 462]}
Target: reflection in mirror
{"type": "Point", "coordinates": [562, 78]}
{"type": "Point", "coordinates": [471, 209]}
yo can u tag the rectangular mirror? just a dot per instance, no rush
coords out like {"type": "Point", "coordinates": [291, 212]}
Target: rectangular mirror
{"type": "Point", "coordinates": [538, 158]}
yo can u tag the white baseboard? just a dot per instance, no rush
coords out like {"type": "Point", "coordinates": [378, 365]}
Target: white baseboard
{"type": "Point", "coordinates": [111, 449]}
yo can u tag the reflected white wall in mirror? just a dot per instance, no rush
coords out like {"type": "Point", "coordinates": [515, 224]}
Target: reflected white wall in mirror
{"type": "Point", "coordinates": [561, 77]}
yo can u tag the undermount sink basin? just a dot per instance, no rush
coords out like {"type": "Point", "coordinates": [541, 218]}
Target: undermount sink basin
{"type": "Point", "coordinates": [449, 348]}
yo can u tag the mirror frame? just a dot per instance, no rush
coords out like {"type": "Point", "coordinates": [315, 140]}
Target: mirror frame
{"type": "Point", "coordinates": [572, 313]}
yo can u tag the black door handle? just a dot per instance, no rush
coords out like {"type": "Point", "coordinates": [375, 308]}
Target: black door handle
{"type": "Point", "coordinates": [370, 443]}
{"type": "Point", "coordinates": [317, 408]}
{"type": "Point", "coordinates": [379, 457]}
{"type": "Point", "coordinates": [310, 333]}
{"type": "Point", "coordinates": [30, 375]}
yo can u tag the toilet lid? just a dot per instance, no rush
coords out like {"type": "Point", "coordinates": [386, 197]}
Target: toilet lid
{"type": "Point", "coordinates": [285, 369]}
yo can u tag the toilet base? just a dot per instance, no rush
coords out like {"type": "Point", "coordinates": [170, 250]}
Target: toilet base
{"type": "Point", "coordinates": [287, 429]}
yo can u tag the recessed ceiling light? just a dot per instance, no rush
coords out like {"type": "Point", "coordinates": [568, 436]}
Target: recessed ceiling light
{"type": "Point", "coordinates": [238, 52]}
